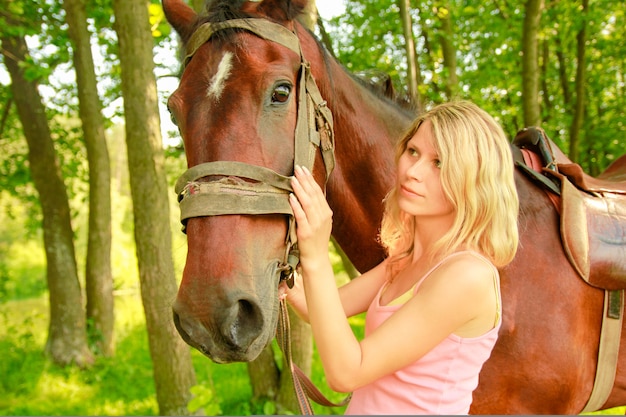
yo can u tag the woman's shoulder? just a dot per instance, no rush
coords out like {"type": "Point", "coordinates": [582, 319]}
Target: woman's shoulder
{"type": "Point", "coordinates": [466, 271]}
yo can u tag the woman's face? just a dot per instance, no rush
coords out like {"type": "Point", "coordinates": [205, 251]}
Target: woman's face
{"type": "Point", "coordinates": [419, 178]}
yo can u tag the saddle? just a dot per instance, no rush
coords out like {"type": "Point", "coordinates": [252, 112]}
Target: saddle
{"type": "Point", "coordinates": [592, 210]}
{"type": "Point", "coordinates": [593, 233]}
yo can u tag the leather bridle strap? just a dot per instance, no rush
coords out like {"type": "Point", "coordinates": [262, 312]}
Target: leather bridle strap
{"type": "Point", "coordinates": [261, 27]}
{"type": "Point", "coordinates": [267, 195]}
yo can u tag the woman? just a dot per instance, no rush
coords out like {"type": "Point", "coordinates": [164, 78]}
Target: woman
{"type": "Point", "coordinates": [433, 305]}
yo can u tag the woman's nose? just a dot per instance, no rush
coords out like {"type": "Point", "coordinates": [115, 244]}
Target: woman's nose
{"type": "Point", "coordinates": [416, 172]}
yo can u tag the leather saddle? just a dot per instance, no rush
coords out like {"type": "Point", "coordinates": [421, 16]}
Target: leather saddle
{"type": "Point", "coordinates": [592, 209]}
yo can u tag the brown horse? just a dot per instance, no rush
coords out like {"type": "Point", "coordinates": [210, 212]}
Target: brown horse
{"type": "Point", "coordinates": [240, 100]}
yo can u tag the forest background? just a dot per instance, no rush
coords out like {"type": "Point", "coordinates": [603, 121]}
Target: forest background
{"type": "Point", "coordinates": [90, 243]}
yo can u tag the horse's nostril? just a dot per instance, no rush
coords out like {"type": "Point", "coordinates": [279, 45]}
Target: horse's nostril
{"type": "Point", "coordinates": [246, 309]}
{"type": "Point", "coordinates": [246, 324]}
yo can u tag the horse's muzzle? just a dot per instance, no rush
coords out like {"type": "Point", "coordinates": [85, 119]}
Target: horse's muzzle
{"type": "Point", "coordinates": [232, 336]}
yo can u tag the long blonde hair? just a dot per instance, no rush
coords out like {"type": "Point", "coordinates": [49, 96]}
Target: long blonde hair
{"type": "Point", "coordinates": [476, 177]}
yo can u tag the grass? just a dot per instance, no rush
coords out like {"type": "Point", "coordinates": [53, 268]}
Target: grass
{"type": "Point", "coordinates": [32, 385]}
{"type": "Point", "coordinates": [122, 385]}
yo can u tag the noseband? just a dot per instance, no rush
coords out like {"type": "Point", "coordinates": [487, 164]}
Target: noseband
{"type": "Point", "coordinates": [269, 194]}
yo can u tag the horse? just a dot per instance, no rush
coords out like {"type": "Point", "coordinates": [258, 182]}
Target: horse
{"type": "Point", "coordinates": [254, 79]}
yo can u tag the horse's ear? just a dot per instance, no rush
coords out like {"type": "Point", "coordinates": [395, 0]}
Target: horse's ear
{"type": "Point", "coordinates": [282, 10]}
{"type": "Point", "coordinates": [181, 17]}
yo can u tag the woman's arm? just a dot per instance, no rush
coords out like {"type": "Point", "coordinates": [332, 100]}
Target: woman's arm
{"type": "Point", "coordinates": [454, 297]}
{"type": "Point", "coordinates": [355, 296]}
{"type": "Point", "coordinates": [458, 298]}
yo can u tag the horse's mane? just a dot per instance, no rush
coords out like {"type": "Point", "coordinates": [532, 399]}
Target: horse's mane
{"type": "Point", "coordinates": [220, 11]}
{"type": "Point", "coordinates": [376, 81]}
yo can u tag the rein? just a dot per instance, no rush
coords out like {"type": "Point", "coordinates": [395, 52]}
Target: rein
{"type": "Point", "coordinates": [269, 193]}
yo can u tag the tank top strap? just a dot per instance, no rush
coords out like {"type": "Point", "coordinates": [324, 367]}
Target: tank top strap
{"type": "Point", "coordinates": [404, 297]}
{"type": "Point", "coordinates": [453, 254]}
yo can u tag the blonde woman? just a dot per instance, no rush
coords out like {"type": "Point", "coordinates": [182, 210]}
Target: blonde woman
{"type": "Point", "coordinates": [433, 305]}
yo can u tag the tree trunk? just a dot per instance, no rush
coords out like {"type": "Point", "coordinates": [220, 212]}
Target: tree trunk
{"type": "Point", "coordinates": [446, 40]}
{"type": "Point", "coordinates": [579, 106]}
{"type": "Point", "coordinates": [264, 376]}
{"type": "Point", "coordinates": [414, 73]}
{"type": "Point", "coordinates": [98, 275]}
{"type": "Point", "coordinates": [67, 336]}
{"type": "Point", "coordinates": [545, 89]}
{"type": "Point", "coordinates": [560, 55]}
{"type": "Point", "coordinates": [171, 357]}
{"type": "Point", "coordinates": [530, 63]}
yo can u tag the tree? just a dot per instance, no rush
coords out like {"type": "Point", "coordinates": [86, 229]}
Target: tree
{"type": "Point", "coordinates": [171, 357]}
{"type": "Point", "coordinates": [530, 63]}
{"type": "Point", "coordinates": [448, 51]}
{"type": "Point", "coordinates": [414, 73]}
{"type": "Point", "coordinates": [579, 106]}
{"type": "Point", "coordinates": [98, 275]}
{"type": "Point", "coordinates": [67, 337]}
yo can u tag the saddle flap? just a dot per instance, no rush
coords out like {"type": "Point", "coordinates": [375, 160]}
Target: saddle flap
{"type": "Point", "coordinates": [593, 233]}
{"type": "Point", "coordinates": [606, 219]}
{"type": "Point", "coordinates": [574, 231]}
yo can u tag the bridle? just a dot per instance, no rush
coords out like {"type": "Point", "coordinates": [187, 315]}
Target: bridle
{"type": "Point", "coordinates": [269, 194]}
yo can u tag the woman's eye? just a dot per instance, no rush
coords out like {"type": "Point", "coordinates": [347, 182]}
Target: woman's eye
{"type": "Point", "coordinates": [281, 93]}
{"type": "Point", "coordinates": [437, 163]}
{"type": "Point", "coordinates": [412, 152]}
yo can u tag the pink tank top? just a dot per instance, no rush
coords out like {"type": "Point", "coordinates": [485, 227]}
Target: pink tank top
{"type": "Point", "coordinates": [441, 382]}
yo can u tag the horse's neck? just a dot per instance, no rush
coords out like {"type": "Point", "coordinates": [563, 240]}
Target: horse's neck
{"type": "Point", "coordinates": [366, 129]}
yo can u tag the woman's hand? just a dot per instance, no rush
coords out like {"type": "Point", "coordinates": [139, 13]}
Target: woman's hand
{"type": "Point", "coordinates": [313, 216]}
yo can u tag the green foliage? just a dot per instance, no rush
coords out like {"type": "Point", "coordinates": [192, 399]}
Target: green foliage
{"type": "Point", "coordinates": [122, 385]}
{"type": "Point", "coordinates": [160, 27]}
{"type": "Point", "coordinates": [487, 37]}
{"type": "Point", "coordinates": [22, 262]}
{"type": "Point", "coordinates": [31, 385]}
{"type": "Point", "coordinates": [204, 399]}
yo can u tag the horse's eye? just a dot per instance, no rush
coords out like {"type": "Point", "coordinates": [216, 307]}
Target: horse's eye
{"type": "Point", "coordinates": [281, 93]}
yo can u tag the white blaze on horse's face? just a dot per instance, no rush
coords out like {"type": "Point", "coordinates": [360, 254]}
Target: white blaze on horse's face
{"type": "Point", "coordinates": [219, 79]}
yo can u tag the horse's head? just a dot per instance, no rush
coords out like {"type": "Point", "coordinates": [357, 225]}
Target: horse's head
{"type": "Point", "coordinates": [247, 110]}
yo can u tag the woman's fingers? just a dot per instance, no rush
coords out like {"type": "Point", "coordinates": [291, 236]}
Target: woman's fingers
{"type": "Point", "coordinates": [312, 213]}
{"type": "Point", "coordinates": [307, 191]}
{"type": "Point", "coordinates": [298, 211]}
{"type": "Point", "coordinates": [308, 201]}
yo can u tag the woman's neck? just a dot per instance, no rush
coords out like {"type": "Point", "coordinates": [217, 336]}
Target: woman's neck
{"type": "Point", "coordinates": [429, 231]}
